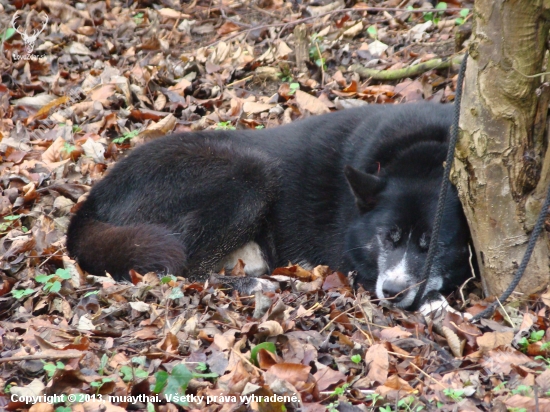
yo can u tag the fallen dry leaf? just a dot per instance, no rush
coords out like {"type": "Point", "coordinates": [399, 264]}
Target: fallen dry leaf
{"type": "Point", "coordinates": [312, 104]}
{"type": "Point", "coordinates": [491, 340]}
{"type": "Point", "coordinates": [378, 363]}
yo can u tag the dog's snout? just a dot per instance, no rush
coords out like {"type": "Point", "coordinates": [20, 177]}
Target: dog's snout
{"type": "Point", "coordinates": [394, 289]}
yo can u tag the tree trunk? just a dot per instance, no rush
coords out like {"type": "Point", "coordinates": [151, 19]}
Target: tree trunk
{"type": "Point", "coordinates": [502, 165]}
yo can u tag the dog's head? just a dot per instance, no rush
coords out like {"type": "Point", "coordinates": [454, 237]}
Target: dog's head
{"type": "Point", "coordinates": [389, 240]}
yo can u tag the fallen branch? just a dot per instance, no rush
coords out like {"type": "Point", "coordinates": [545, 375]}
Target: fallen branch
{"type": "Point", "coordinates": [51, 354]}
{"type": "Point", "coordinates": [415, 70]}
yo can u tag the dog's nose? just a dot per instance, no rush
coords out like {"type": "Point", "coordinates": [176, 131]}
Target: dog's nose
{"type": "Point", "coordinates": [392, 288]}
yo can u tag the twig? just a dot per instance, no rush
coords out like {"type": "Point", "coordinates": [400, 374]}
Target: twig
{"type": "Point", "coordinates": [508, 318]}
{"type": "Point", "coordinates": [321, 60]}
{"type": "Point", "coordinates": [463, 331]}
{"type": "Point", "coordinates": [336, 317]}
{"type": "Point", "coordinates": [530, 76]}
{"type": "Point", "coordinates": [268, 13]}
{"type": "Point", "coordinates": [428, 376]}
{"type": "Point", "coordinates": [442, 352]}
{"type": "Point", "coordinates": [173, 29]}
{"type": "Point", "coordinates": [309, 311]}
{"type": "Point", "coordinates": [51, 256]}
{"type": "Point", "coordinates": [367, 322]}
{"type": "Point", "coordinates": [240, 355]}
{"type": "Point", "coordinates": [240, 80]}
{"type": "Point", "coordinates": [401, 355]}
{"type": "Point", "coordinates": [407, 71]}
{"type": "Point", "coordinates": [461, 290]}
{"type": "Point", "coordinates": [38, 356]}
{"type": "Point", "coordinates": [300, 34]}
{"type": "Point", "coordinates": [236, 22]}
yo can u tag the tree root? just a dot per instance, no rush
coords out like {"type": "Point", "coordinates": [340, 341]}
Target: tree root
{"type": "Point", "coordinates": [407, 71]}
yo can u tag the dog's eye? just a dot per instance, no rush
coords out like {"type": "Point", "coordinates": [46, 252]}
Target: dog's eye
{"type": "Point", "coordinates": [395, 235]}
{"type": "Point", "coordinates": [424, 241]}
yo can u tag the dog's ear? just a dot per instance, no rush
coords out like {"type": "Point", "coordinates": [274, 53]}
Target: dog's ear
{"type": "Point", "coordinates": [365, 187]}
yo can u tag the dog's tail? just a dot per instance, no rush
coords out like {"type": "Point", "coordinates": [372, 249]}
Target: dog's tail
{"type": "Point", "coordinates": [100, 247]}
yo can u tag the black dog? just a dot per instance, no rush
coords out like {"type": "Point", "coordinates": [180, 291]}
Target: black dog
{"type": "Point", "coordinates": [355, 190]}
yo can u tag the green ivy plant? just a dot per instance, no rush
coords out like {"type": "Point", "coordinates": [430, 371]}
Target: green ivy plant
{"type": "Point", "coordinates": [126, 136]}
{"type": "Point", "coordinates": [176, 382]}
{"type": "Point", "coordinates": [225, 126]}
{"type": "Point", "coordinates": [52, 283]}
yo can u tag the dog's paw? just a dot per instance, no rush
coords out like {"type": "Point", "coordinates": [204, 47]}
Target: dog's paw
{"type": "Point", "coordinates": [246, 285]}
{"type": "Point", "coordinates": [435, 308]}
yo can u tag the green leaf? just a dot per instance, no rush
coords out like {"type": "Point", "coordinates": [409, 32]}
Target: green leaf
{"type": "Point", "coordinates": [167, 279]}
{"type": "Point", "coordinates": [50, 369]}
{"type": "Point", "coordinates": [537, 335]}
{"type": "Point", "coordinates": [205, 375]}
{"type": "Point", "coordinates": [441, 6]}
{"type": "Point", "coordinates": [54, 287]}
{"type": "Point", "coordinates": [356, 358]}
{"type": "Point", "coordinates": [268, 346]}
{"type": "Point", "coordinates": [182, 375]}
{"type": "Point", "coordinates": [459, 21]}
{"type": "Point", "coordinates": [150, 407]}
{"type": "Point", "coordinates": [260, 126]}
{"type": "Point", "coordinates": [127, 374]}
{"type": "Point", "coordinates": [8, 34]}
{"type": "Point", "coordinates": [339, 391]}
{"type": "Point", "coordinates": [103, 363]}
{"type": "Point", "coordinates": [21, 293]}
{"type": "Point", "coordinates": [140, 373]}
{"type": "Point", "coordinates": [12, 217]}
{"type": "Point", "coordinates": [68, 148]}
{"type": "Point", "coordinates": [139, 360]}
{"type": "Point", "coordinates": [126, 136]}
{"type": "Point", "coordinates": [60, 365]}
{"type": "Point", "coordinates": [63, 273]}
{"type": "Point", "coordinates": [201, 367]}
{"type": "Point", "coordinates": [130, 373]}
{"type": "Point", "coordinates": [43, 278]}
{"type": "Point", "coordinates": [63, 409]}
{"type": "Point", "coordinates": [464, 12]}
{"type": "Point", "coordinates": [175, 293]}
{"type": "Point", "coordinates": [178, 380]}
{"type": "Point", "coordinates": [24, 229]}
{"type": "Point", "coordinates": [93, 292]}
{"type": "Point", "coordinates": [225, 126]}
{"type": "Point", "coordinates": [372, 32]}
{"type": "Point", "coordinates": [161, 377]}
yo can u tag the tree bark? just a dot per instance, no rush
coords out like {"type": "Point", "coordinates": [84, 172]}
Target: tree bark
{"type": "Point", "coordinates": [502, 165]}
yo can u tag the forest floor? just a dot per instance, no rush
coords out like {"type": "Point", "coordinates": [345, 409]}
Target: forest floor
{"type": "Point", "coordinates": [104, 76]}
